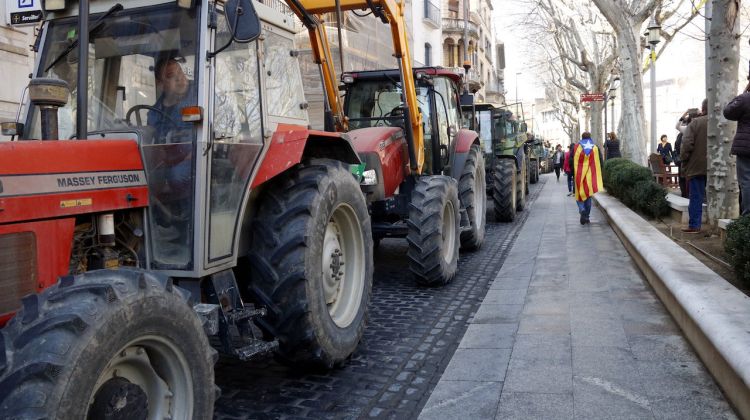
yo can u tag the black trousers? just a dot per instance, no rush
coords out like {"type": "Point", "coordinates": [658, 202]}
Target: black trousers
{"type": "Point", "coordinates": [557, 171]}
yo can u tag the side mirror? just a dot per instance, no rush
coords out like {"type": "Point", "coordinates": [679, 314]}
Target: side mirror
{"type": "Point", "coordinates": [467, 99]}
{"type": "Point", "coordinates": [243, 20]}
{"type": "Point", "coordinates": [12, 128]}
{"type": "Point", "coordinates": [452, 131]}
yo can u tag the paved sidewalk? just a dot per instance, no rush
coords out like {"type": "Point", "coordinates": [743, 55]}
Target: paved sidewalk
{"type": "Point", "coordinates": [566, 332]}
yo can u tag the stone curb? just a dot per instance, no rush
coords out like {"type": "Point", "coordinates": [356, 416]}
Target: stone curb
{"type": "Point", "coordinates": [713, 315]}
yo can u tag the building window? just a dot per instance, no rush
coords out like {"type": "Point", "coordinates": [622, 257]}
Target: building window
{"type": "Point", "coordinates": [427, 54]}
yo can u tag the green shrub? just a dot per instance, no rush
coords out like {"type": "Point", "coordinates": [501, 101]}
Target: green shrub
{"type": "Point", "coordinates": [634, 185]}
{"type": "Point", "coordinates": [651, 199]}
{"type": "Point", "coordinates": [737, 246]}
{"type": "Point", "coordinates": [610, 166]}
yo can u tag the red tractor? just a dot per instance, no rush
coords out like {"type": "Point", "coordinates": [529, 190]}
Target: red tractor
{"type": "Point", "coordinates": [179, 196]}
{"type": "Point", "coordinates": [422, 175]}
{"type": "Point", "coordinates": [439, 209]}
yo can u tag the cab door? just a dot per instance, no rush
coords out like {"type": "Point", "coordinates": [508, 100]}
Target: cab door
{"type": "Point", "coordinates": [236, 133]}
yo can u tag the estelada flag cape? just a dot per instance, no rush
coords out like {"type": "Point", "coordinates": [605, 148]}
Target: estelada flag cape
{"type": "Point", "coordinates": [588, 172]}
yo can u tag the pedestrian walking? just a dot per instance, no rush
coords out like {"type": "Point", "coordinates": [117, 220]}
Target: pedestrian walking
{"type": "Point", "coordinates": [568, 170]}
{"type": "Point", "coordinates": [694, 156]}
{"type": "Point", "coordinates": [665, 150]}
{"type": "Point", "coordinates": [557, 160]}
{"type": "Point", "coordinates": [739, 110]}
{"type": "Point", "coordinates": [586, 164]}
{"type": "Point", "coordinates": [612, 146]}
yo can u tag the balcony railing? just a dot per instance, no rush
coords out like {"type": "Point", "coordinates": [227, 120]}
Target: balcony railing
{"type": "Point", "coordinates": [493, 86]}
{"type": "Point", "coordinates": [475, 82]}
{"type": "Point", "coordinates": [279, 6]}
{"type": "Point", "coordinates": [458, 25]}
{"type": "Point", "coordinates": [431, 13]}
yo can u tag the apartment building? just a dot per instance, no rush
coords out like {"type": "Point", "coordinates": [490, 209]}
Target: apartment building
{"type": "Point", "coordinates": [468, 35]}
{"type": "Point", "coordinates": [16, 64]}
{"type": "Point", "coordinates": [423, 20]}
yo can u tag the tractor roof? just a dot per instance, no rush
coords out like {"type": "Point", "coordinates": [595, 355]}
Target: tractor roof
{"type": "Point", "coordinates": [395, 75]}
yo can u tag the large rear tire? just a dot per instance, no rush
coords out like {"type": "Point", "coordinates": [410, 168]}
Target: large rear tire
{"type": "Point", "coordinates": [311, 263]}
{"type": "Point", "coordinates": [107, 345]}
{"type": "Point", "coordinates": [504, 190]}
{"type": "Point", "coordinates": [433, 230]}
{"type": "Point", "coordinates": [472, 191]}
{"type": "Point", "coordinates": [521, 188]}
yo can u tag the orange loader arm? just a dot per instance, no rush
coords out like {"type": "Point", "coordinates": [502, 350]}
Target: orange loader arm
{"type": "Point", "coordinates": [390, 12]}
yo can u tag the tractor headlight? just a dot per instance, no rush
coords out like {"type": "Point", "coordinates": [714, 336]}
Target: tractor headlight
{"type": "Point", "coordinates": [369, 177]}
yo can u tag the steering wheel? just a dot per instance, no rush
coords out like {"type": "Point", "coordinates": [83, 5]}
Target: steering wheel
{"type": "Point", "coordinates": [135, 109]}
{"type": "Point", "coordinates": [396, 112]}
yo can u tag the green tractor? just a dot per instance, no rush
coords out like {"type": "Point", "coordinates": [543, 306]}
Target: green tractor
{"type": "Point", "coordinates": [503, 138]}
{"type": "Point", "coordinates": [537, 158]}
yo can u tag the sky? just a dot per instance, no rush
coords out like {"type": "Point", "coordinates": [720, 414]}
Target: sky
{"type": "Point", "coordinates": [507, 15]}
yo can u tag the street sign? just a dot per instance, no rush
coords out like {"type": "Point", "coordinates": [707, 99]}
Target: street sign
{"type": "Point", "coordinates": [23, 12]}
{"type": "Point", "coordinates": [592, 97]}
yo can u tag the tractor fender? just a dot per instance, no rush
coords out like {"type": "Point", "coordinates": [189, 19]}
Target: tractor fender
{"type": "Point", "coordinates": [520, 157]}
{"type": "Point", "coordinates": [290, 144]}
{"type": "Point", "coordinates": [464, 140]}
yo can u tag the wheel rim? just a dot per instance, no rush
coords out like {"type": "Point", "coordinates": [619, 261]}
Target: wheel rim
{"type": "Point", "coordinates": [343, 265]}
{"type": "Point", "coordinates": [480, 197]}
{"type": "Point", "coordinates": [449, 232]}
{"type": "Point", "coordinates": [160, 372]}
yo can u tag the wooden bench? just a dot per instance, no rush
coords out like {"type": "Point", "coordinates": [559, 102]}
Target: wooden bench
{"type": "Point", "coordinates": [679, 207]}
{"type": "Point", "coordinates": [663, 177]}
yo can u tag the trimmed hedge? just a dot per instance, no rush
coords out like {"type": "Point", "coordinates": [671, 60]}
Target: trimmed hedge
{"type": "Point", "coordinates": [737, 246]}
{"type": "Point", "coordinates": [634, 185]}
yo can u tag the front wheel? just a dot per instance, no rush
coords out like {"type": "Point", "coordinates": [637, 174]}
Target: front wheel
{"type": "Point", "coordinates": [311, 263]}
{"type": "Point", "coordinates": [534, 172]}
{"type": "Point", "coordinates": [107, 344]}
{"type": "Point", "coordinates": [504, 190]}
{"type": "Point", "coordinates": [433, 230]}
{"type": "Point", "coordinates": [472, 190]}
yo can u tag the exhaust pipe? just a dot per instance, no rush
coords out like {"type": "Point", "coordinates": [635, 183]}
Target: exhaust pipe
{"type": "Point", "coordinates": [49, 95]}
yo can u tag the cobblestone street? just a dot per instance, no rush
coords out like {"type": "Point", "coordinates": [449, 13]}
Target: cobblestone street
{"type": "Point", "coordinates": [409, 340]}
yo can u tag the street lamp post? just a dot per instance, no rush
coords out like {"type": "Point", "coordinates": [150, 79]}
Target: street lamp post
{"type": "Point", "coordinates": [517, 86]}
{"type": "Point", "coordinates": [653, 38]}
{"type": "Point", "coordinates": [610, 95]}
{"type": "Point", "coordinates": [612, 91]}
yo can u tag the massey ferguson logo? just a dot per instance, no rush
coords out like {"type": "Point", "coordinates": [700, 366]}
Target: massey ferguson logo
{"type": "Point", "coordinates": [59, 183]}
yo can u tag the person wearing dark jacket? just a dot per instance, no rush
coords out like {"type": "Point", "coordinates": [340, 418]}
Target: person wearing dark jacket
{"type": "Point", "coordinates": [739, 110]}
{"type": "Point", "coordinates": [694, 157]}
{"type": "Point", "coordinates": [558, 160]}
{"type": "Point", "coordinates": [612, 146]}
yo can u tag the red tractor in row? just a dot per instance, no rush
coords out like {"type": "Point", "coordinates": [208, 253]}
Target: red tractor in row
{"type": "Point", "coordinates": [422, 174]}
{"type": "Point", "coordinates": [164, 188]}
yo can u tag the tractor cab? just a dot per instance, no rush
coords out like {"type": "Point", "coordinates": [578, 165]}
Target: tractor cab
{"type": "Point", "coordinates": [184, 82]}
{"type": "Point", "coordinates": [375, 99]}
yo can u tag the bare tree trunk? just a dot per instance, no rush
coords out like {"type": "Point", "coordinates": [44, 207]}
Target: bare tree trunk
{"type": "Point", "coordinates": [723, 64]}
{"type": "Point", "coordinates": [597, 127]}
{"type": "Point", "coordinates": [632, 128]}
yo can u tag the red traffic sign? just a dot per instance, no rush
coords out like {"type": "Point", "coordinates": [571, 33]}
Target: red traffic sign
{"type": "Point", "coordinates": [592, 97]}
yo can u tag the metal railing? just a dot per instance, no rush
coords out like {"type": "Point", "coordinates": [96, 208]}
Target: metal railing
{"type": "Point", "coordinates": [472, 76]}
{"type": "Point", "coordinates": [431, 13]}
{"type": "Point", "coordinates": [279, 6]}
{"type": "Point", "coordinates": [457, 25]}
{"type": "Point", "coordinates": [493, 86]}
